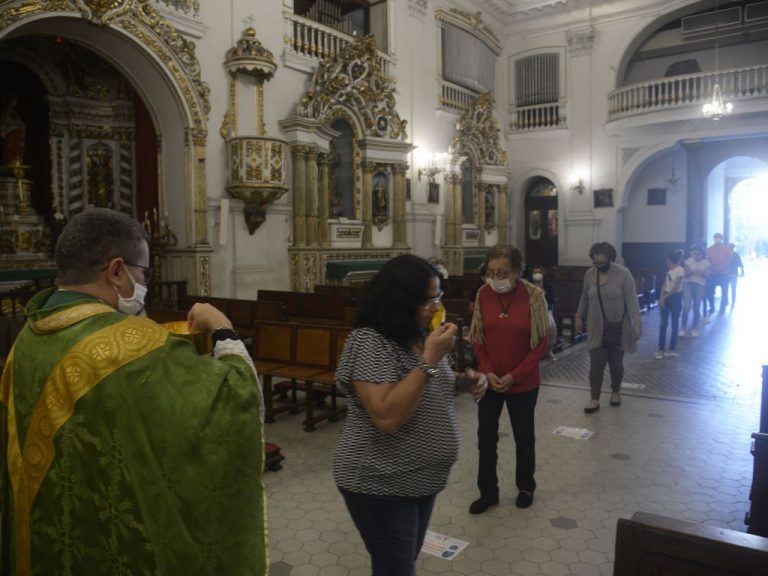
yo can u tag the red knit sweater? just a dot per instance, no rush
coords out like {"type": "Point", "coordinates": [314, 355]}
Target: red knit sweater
{"type": "Point", "coordinates": [507, 347]}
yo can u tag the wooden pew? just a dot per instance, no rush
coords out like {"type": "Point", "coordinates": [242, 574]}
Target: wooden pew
{"type": "Point", "coordinates": [325, 384]}
{"type": "Point", "coordinates": [649, 544]}
{"type": "Point", "coordinates": [272, 347]}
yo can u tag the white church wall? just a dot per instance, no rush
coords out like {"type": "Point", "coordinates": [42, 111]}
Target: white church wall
{"type": "Point", "coordinates": [657, 223]}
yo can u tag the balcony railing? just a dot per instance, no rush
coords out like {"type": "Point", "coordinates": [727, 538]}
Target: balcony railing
{"type": "Point", "coordinates": [689, 90]}
{"type": "Point", "coordinates": [188, 7]}
{"type": "Point", "coordinates": [309, 39]}
{"type": "Point", "coordinates": [538, 117]}
{"type": "Point", "coordinates": [456, 98]}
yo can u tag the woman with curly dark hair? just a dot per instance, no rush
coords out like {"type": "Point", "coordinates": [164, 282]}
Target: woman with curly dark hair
{"type": "Point", "coordinates": [609, 303]}
{"type": "Point", "coordinates": [401, 436]}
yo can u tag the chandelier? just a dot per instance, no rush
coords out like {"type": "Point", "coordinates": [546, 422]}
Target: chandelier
{"type": "Point", "coordinates": [716, 109]}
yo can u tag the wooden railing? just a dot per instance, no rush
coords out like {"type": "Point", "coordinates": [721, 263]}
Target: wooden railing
{"type": "Point", "coordinates": [689, 90]}
{"type": "Point", "coordinates": [538, 117]}
{"type": "Point", "coordinates": [456, 98]}
{"type": "Point", "coordinates": [310, 39]}
{"type": "Point", "coordinates": [188, 7]}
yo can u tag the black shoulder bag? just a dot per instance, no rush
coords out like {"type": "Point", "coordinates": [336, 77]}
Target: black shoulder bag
{"type": "Point", "coordinates": [612, 331]}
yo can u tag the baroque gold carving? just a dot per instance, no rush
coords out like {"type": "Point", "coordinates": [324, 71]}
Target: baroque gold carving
{"type": "Point", "coordinates": [354, 79]}
{"type": "Point", "coordinates": [477, 134]}
{"type": "Point", "coordinates": [140, 19]}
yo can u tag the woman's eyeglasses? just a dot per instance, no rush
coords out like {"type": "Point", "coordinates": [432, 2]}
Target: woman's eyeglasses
{"type": "Point", "coordinates": [499, 274]}
{"type": "Point", "coordinates": [433, 301]}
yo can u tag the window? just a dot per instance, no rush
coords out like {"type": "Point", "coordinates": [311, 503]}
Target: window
{"type": "Point", "coordinates": [342, 167]}
{"type": "Point", "coordinates": [467, 192]}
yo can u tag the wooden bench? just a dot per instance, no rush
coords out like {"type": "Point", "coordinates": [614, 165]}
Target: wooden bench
{"type": "Point", "coordinates": [243, 313]}
{"type": "Point", "coordinates": [649, 544]}
{"type": "Point", "coordinates": [305, 355]}
{"type": "Point", "coordinates": [308, 306]}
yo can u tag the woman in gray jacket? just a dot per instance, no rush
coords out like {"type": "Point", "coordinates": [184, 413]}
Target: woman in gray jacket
{"type": "Point", "coordinates": [608, 301]}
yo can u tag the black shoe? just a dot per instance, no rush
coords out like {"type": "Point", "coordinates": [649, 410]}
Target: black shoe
{"type": "Point", "coordinates": [482, 504]}
{"type": "Point", "coordinates": [524, 499]}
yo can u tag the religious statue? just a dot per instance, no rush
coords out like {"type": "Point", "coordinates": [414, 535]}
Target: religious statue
{"type": "Point", "coordinates": [490, 210]}
{"type": "Point", "coordinates": [100, 176]}
{"type": "Point", "coordinates": [380, 204]}
{"type": "Point", "coordinates": [12, 132]}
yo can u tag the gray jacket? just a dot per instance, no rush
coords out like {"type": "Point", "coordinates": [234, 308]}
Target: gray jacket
{"type": "Point", "coordinates": [618, 290]}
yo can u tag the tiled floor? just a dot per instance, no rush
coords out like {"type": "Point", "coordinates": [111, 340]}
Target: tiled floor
{"type": "Point", "coordinates": [678, 446]}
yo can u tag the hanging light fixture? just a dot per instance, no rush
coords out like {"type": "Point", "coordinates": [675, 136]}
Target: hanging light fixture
{"type": "Point", "coordinates": [716, 108]}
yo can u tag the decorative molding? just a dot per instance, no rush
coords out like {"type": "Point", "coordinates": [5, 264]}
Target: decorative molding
{"type": "Point", "coordinates": [417, 8]}
{"type": "Point", "coordinates": [580, 41]}
{"type": "Point", "coordinates": [141, 20]}
{"type": "Point", "coordinates": [626, 155]}
{"type": "Point", "coordinates": [472, 24]}
{"type": "Point", "coordinates": [353, 80]}
{"type": "Point", "coordinates": [477, 134]}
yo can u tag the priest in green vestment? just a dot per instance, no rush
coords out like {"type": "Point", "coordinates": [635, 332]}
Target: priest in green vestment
{"type": "Point", "coordinates": [124, 452]}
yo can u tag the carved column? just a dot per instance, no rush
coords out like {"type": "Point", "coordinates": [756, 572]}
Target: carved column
{"type": "Point", "coordinates": [299, 194]}
{"type": "Point", "coordinates": [323, 198]}
{"type": "Point", "coordinates": [368, 170]}
{"type": "Point", "coordinates": [501, 215]}
{"type": "Point", "coordinates": [449, 240]}
{"type": "Point", "coordinates": [482, 190]}
{"type": "Point", "coordinates": [457, 209]}
{"type": "Point", "coordinates": [399, 235]}
{"type": "Point", "coordinates": [312, 188]}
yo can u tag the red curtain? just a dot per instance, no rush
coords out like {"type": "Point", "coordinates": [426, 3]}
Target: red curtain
{"type": "Point", "coordinates": [146, 160]}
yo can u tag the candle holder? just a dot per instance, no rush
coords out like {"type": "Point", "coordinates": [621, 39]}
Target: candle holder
{"type": "Point", "coordinates": [18, 169]}
{"type": "Point", "coordinates": [161, 238]}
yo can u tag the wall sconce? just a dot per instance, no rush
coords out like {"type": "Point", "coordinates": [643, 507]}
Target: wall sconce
{"type": "Point", "coordinates": [429, 170]}
{"type": "Point", "coordinates": [673, 179]}
{"type": "Point", "coordinates": [578, 186]}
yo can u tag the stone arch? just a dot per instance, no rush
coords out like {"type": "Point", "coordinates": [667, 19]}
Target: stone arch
{"type": "Point", "coordinates": [162, 67]}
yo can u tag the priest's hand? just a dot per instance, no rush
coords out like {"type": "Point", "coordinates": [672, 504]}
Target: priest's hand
{"type": "Point", "coordinates": [206, 318]}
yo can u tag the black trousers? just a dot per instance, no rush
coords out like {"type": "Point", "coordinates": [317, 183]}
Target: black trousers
{"type": "Point", "coordinates": [520, 408]}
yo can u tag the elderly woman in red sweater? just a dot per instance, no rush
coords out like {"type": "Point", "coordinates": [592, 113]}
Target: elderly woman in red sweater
{"type": "Point", "coordinates": [509, 335]}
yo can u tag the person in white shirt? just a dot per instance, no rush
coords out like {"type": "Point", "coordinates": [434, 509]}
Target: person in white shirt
{"type": "Point", "coordinates": [670, 304]}
{"type": "Point", "coordinates": [696, 272]}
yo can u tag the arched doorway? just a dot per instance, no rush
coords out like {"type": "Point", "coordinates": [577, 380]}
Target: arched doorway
{"type": "Point", "coordinates": [732, 196]}
{"type": "Point", "coordinates": [89, 139]}
{"type": "Point", "coordinates": [164, 74]}
{"type": "Point", "coordinates": [746, 224]}
{"type": "Point", "coordinates": [541, 222]}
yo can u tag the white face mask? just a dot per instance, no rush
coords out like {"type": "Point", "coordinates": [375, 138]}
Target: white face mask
{"type": "Point", "coordinates": [537, 277]}
{"type": "Point", "coordinates": [134, 305]}
{"type": "Point", "coordinates": [500, 286]}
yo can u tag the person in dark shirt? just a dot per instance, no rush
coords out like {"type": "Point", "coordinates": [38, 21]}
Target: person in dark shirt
{"type": "Point", "coordinates": [735, 270]}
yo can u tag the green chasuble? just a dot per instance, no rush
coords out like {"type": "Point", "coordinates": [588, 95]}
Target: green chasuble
{"type": "Point", "coordinates": [124, 452]}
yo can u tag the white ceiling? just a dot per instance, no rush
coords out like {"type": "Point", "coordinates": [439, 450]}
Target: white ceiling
{"type": "Point", "coordinates": [508, 10]}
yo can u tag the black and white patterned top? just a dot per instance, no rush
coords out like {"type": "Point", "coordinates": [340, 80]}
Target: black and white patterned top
{"type": "Point", "coordinates": [417, 459]}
